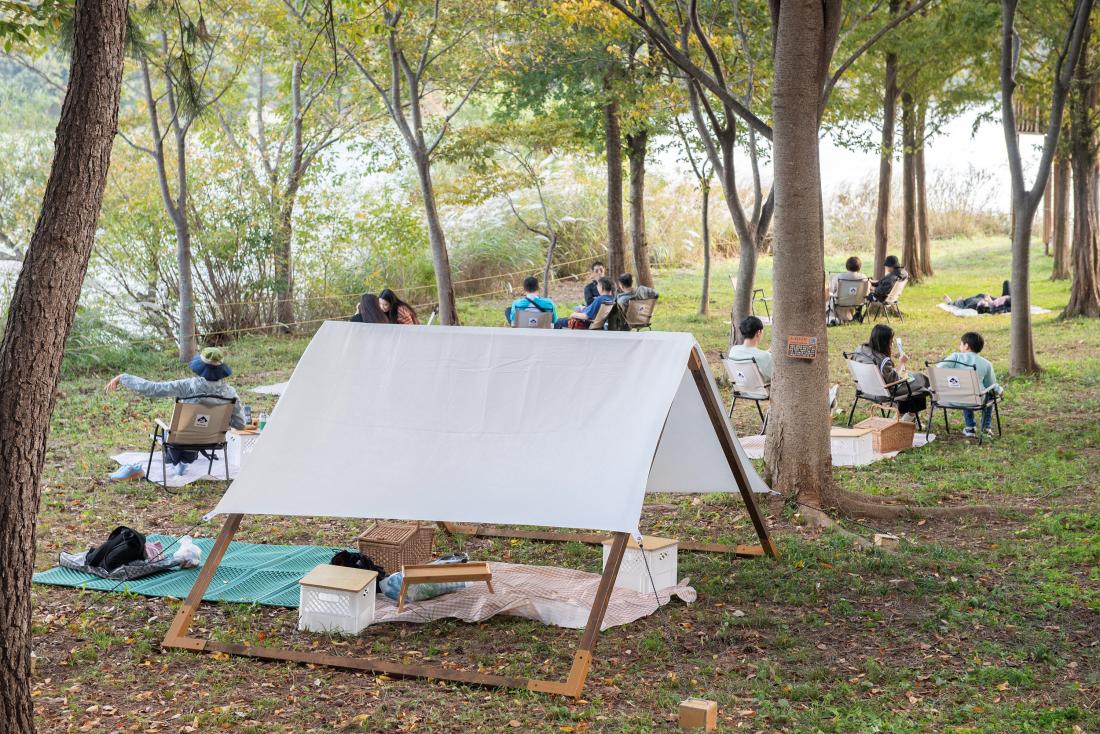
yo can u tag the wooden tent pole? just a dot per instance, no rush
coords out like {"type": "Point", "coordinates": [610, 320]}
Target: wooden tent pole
{"type": "Point", "coordinates": [726, 439]}
{"type": "Point", "coordinates": [177, 633]}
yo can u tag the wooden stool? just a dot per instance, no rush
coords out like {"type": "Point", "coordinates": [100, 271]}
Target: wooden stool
{"type": "Point", "coordinates": [442, 573]}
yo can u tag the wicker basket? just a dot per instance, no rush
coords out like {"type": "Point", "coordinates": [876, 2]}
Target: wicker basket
{"type": "Point", "coordinates": [396, 544]}
{"type": "Point", "coordinates": [888, 434]}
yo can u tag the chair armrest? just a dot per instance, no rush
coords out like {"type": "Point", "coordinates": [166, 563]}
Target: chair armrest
{"type": "Point", "coordinates": [895, 382]}
{"type": "Point", "coordinates": [161, 425]}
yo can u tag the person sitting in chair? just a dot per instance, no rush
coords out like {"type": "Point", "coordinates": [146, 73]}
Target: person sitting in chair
{"type": "Point", "coordinates": [627, 291]}
{"type": "Point", "coordinates": [752, 331]}
{"type": "Point", "coordinates": [883, 286]}
{"type": "Point", "coordinates": [970, 345]}
{"type": "Point", "coordinates": [853, 267]}
{"type": "Point", "coordinates": [909, 392]}
{"type": "Point", "coordinates": [592, 289]}
{"type": "Point", "coordinates": [211, 370]}
{"type": "Point", "coordinates": [585, 315]}
{"type": "Point", "coordinates": [531, 301]}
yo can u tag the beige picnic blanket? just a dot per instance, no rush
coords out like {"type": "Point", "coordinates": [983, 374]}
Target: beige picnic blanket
{"type": "Point", "coordinates": [556, 596]}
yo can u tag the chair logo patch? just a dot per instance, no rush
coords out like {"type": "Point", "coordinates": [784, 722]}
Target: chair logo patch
{"type": "Point", "coordinates": [953, 382]}
{"type": "Point", "coordinates": [851, 291]}
{"type": "Point", "coordinates": [741, 376]}
{"type": "Point", "coordinates": [202, 420]}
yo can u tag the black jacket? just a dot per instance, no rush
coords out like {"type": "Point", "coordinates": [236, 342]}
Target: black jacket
{"type": "Point", "coordinates": [590, 293]}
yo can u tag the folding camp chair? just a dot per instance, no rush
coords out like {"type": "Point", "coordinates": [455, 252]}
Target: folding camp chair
{"type": "Point", "coordinates": [195, 427]}
{"type": "Point", "coordinates": [530, 318]}
{"type": "Point", "coordinates": [890, 304]}
{"type": "Point", "coordinates": [871, 386]}
{"type": "Point", "coordinates": [958, 388]}
{"type": "Point", "coordinates": [748, 384]}
{"type": "Point", "coordinates": [639, 312]}
{"type": "Point", "coordinates": [851, 293]}
{"type": "Point", "coordinates": [601, 316]}
{"type": "Point", "coordinates": [759, 297]}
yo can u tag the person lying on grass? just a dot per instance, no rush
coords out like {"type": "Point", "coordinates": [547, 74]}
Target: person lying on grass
{"type": "Point", "coordinates": [984, 303]}
{"type": "Point", "coordinates": [585, 315]}
{"type": "Point", "coordinates": [970, 345]}
{"type": "Point", "coordinates": [210, 372]}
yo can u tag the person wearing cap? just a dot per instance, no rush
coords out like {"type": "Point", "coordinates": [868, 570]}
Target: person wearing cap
{"type": "Point", "coordinates": [883, 286]}
{"type": "Point", "coordinates": [210, 372]}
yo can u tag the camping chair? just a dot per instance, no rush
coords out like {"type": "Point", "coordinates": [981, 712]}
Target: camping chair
{"type": "Point", "coordinates": [851, 293]}
{"type": "Point", "coordinates": [891, 302]}
{"type": "Point", "coordinates": [601, 316]}
{"type": "Point", "coordinates": [758, 295]}
{"type": "Point", "coordinates": [530, 318]}
{"type": "Point", "coordinates": [639, 312]}
{"type": "Point", "coordinates": [870, 386]}
{"type": "Point", "coordinates": [958, 388]}
{"type": "Point", "coordinates": [748, 384]}
{"type": "Point", "coordinates": [194, 427]}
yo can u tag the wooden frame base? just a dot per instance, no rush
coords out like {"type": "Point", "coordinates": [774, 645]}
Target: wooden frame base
{"type": "Point", "coordinates": [572, 686]}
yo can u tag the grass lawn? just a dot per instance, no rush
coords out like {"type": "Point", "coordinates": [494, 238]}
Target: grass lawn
{"type": "Point", "coordinates": [972, 626]}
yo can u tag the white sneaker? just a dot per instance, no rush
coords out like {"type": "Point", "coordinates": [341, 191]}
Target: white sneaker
{"type": "Point", "coordinates": [909, 418]}
{"type": "Point", "coordinates": [970, 432]}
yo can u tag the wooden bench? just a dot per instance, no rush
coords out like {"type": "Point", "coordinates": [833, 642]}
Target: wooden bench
{"type": "Point", "coordinates": [442, 573]}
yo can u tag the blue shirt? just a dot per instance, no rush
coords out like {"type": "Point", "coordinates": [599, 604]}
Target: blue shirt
{"type": "Point", "coordinates": [986, 375]}
{"type": "Point", "coordinates": [593, 308]}
{"type": "Point", "coordinates": [527, 303]}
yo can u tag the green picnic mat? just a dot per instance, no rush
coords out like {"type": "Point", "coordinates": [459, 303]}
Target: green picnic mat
{"type": "Point", "coordinates": [250, 573]}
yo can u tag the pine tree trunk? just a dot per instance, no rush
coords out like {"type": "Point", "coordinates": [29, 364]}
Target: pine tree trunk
{"type": "Point", "coordinates": [923, 239]}
{"type": "Point", "coordinates": [39, 319]}
{"type": "Point", "coordinates": [797, 450]}
{"type": "Point", "coordinates": [1084, 294]}
{"type": "Point", "coordinates": [616, 239]}
{"type": "Point", "coordinates": [886, 158]}
{"type": "Point", "coordinates": [704, 302]}
{"type": "Point", "coordinates": [910, 247]}
{"type": "Point", "coordinates": [441, 262]}
{"type": "Point", "coordinates": [1060, 238]}
{"type": "Point", "coordinates": [636, 150]}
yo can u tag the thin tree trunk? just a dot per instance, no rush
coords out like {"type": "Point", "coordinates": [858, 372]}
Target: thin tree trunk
{"type": "Point", "coordinates": [910, 247]}
{"type": "Point", "coordinates": [920, 180]}
{"type": "Point", "coordinates": [441, 262]}
{"type": "Point", "coordinates": [284, 224]}
{"type": "Point", "coordinates": [548, 268]}
{"type": "Point", "coordinates": [1084, 294]}
{"type": "Point", "coordinates": [797, 450]}
{"type": "Point", "coordinates": [1021, 350]}
{"type": "Point", "coordinates": [616, 239]}
{"type": "Point", "coordinates": [1048, 212]}
{"type": "Point", "coordinates": [886, 157]}
{"type": "Point", "coordinates": [636, 152]}
{"type": "Point", "coordinates": [39, 319]}
{"type": "Point", "coordinates": [1060, 238]}
{"type": "Point", "coordinates": [704, 302]}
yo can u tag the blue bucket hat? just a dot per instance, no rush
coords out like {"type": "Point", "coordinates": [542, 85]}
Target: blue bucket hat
{"type": "Point", "coordinates": [210, 365]}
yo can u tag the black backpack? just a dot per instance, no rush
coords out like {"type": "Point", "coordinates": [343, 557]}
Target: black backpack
{"type": "Point", "coordinates": [353, 559]}
{"type": "Point", "coordinates": [122, 546]}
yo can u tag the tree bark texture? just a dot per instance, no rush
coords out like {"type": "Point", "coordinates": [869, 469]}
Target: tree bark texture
{"type": "Point", "coordinates": [441, 261]}
{"type": "Point", "coordinates": [910, 253]}
{"type": "Point", "coordinates": [921, 182]}
{"type": "Point", "coordinates": [1084, 294]}
{"type": "Point", "coordinates": [616, 239]}
{"type": "Point", "coordinates": [41, 314]}
{"type": "Point", "coordinates": [886, 158]}
{"type": "Point", "coordinates": [797, 449]}
{"type": "Point", "coordinates": [704, 301]}
{"type": "Point", "coordinates": [636, 151]}
{"type": "Point", "coordinates": [1060, 237]}
{"type": "Point", "coordinates": [1048, 210]}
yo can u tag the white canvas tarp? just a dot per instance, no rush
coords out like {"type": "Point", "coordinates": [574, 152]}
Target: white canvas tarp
{"type": "Point", "coordinates": [512, 426]}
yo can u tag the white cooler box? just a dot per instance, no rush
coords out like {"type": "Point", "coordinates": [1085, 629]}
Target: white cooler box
{"type": "Point", "coordinates": [337, 599]}
{"type": "Point", "coordinates": [658, 553]}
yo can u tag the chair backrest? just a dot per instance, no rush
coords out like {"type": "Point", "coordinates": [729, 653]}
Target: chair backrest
{"type": "Point", "coordinates": [868, 379]}
{"type": "Point", "coordinates": [601, 315]}
{"type": "Point", "coordinates": [851, 293]}
{"type": "Point", "coordinates": [895, 292]}
{"type": "Point", "coordinates": [195, 424]}
{"type": "Point", "coordinates": [639, 311]}
{"type": "Point", "coordinates": [834, 393]}
{"type": "Point", "coordinates": [746, 377]}
{"type": "Point", "coordinates": [955, 386]}
{"type": "Point", "coordinates": [529, 318]}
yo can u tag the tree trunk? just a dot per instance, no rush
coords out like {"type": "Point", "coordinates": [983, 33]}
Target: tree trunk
{"type": "Point", "coordinates": [910, 255]}
{"type": "Point", "coordinates": [797, 450]}
{"type": "Point", "coordinates": [39, 319]}
{"type": "Point", "coordinates": [886, 158]}
{"type": "Point", "coordinates": [441, 262]}
{"type": "Point", "coordinates": [923, 239]}
{"type": "Point", "coordinates": [616, 246]}
{"type": "Point", "coordinates": [636, 151]}
{"type": "Point", "coordinates": [188, 342]}
{"type": "Point", "coordinates": [1084, 294]}
{"type": "Point", "coordinates": [704, 302]}
{"type": "Point", "coordinates": [1021, 350]}
{"type": "Point", "coordinates": [1048, 213]}
{"type": "Point", "coordinates": [548, 267]}
{"type": "Point", "coordinates": [283, 235]}
{"type": "Point", "coordinates": [1060, 238]}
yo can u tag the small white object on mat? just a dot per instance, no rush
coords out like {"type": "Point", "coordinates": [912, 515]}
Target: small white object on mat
{"type": "Point", "coordinates": [277, 389]}
{"type": "Point", "coordinates": [196, 471]}
{"type": "Point", "coordinates": [968, 312]}
{"type": "Point", "coordinates": [560, 597]}
{"type": "Point", "coordinates": [754, 447]}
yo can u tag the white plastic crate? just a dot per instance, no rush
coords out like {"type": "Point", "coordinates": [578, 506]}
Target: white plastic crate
{"type": "Point", "coordinates": [659, 553]}
{"type": "Point", "coordinates": [852, 446]}
{"type": "Point", "coordinates": [337, 599]}
{"type": "Point", "coordinates": [239, 446]}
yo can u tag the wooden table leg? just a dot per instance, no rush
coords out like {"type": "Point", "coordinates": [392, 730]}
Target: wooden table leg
{"type": "Point", "coordinates": [401, 595]}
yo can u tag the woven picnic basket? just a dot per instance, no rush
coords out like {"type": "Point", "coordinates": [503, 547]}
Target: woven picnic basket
{"type": "Point", "coordinates": [396, 544]}
{"type": "Point", "coordinates": [889, 435]}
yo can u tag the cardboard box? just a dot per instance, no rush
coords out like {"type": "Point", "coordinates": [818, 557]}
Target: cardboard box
{"type": "Point", "coordinates": [698, 713]}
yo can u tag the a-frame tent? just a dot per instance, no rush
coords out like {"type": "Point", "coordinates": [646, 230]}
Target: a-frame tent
{"type": "Point", "coordinates": [476, 425]}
